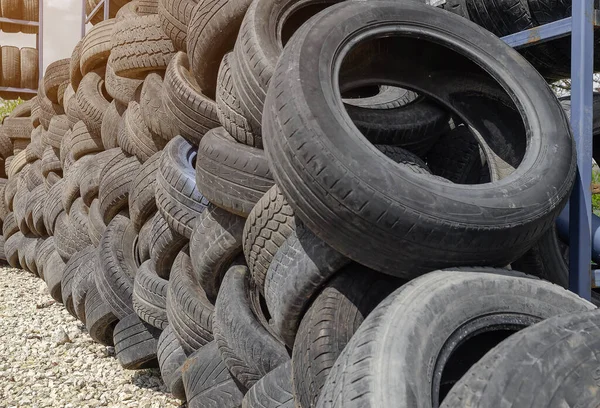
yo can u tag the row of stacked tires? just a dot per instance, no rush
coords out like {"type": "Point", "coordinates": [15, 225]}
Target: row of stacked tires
{"type": "Point", "coordinates": [19, 69]}
{"type": "Point", "coordinates": [249, 199]}
{"type": "Point", "coordinates": [25, 10]}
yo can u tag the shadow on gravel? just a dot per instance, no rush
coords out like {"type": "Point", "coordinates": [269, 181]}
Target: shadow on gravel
{"type": "Point", "coordinates": [151, 379]}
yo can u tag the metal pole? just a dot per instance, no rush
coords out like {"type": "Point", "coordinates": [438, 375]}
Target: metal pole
{"type": "Point", "coordinates": [83, 18]}
{"type": "Point", "coordinates": [40, 42]}
{"type": "Point", "coordinates": [106, 7]}
{"type": "Point", "coordinates": [582, 65]}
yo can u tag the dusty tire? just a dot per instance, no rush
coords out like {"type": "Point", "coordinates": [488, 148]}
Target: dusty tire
{"type": "Point", "coordinates": [115, 183]}
{"type": "Point", "coordinates": [142, 202]}
{"type": "Point", "coordinates": [135, 343]}
{"type": "Point", "coordinates": [269, 224]}
{"type": "Point", "coordinates": [135, 138]}
{"type": "Point", "coordinates": [339, 309]}
{"type": "Point", "coordinates": [297, 273]}
{"type": "Point", "coordinates": [53, 271]}
{"type": "Point", "coordinates": [439, 307]}
{"type": "Point", "coordinates": [139, 46]}
{"type": "Point", "coordinates": [92, 101]}
{"type": "Point", "coordinates": [99, 319]}
{"type": "Point", "coordinates": [111, 123]}
{"type": "Point", "coordinates": [188, 109]}
{"type": "Point", "coordinates": [83, 259]}
{"type": "Point", "coordinates": [231, 175]}
{"type": "Point", "coordinates": [82, 142]}
{"type": "Point", "coordinates": [96, 225]}
{"type": "Point", "coordinates": [29, 68]}
{"type": "Point", "coordinates": [229, 110]}
{"type": "Point", "coordinates": [11, 9]}
{"type": "Point", "coordinates": [274, 390]}
{"type": "Point", "coordinates": [170, 360]}
{"type": "Point", "coordinates": [212, 32]}
{"type": "Point", "coordinates": [75, 66]}
{"type": "Point", "coordinates": [367, 217]}
{"type": "Point", "coordinates": [56, 74]}
{"type": "Point", "coordinates": [115, 278]}
{"type": "Point", "coordinates": [150, 296]}
{"type": "Point", "coordinates": [570, 336]}
{"type": "Point", "coordinates": [57, 129]}
{"type": "Point", "coordinates": [53, 206]}
{"type": "Point", "coordinates": [153, 109]}
{"type": "Point", "coordinates": [189, 312]}
{"type": "Point", "coordinates": [214, 244]}
{"type": "Point", "coordinates": [164, 246]}
{"type": "Point", "coordinates": [11, 65]}
{"type": "Point", "coordinates": [123, 90]}
{"type": "Point", "coordinates": [207, 380]}
{"type": "Point", "coordinates": [177, 197]}
{"type": "Point", "coordinates": [240, 335]}
{"type": "Point", "coordinates": [95, 48]}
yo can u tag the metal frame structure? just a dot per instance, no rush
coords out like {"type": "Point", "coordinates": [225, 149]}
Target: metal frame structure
{"type": "Point", "coordinates": [581, 28]}
{"type": "Point", "coordinates": [39, 45]}
{"type": "Point", "coordinates": [85, 18]}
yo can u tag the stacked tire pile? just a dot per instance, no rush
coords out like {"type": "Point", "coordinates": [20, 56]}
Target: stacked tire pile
{"type": "Point", "coordinates": [251, 200]}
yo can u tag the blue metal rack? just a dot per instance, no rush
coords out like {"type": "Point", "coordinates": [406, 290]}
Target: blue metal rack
{"type": "Point", "coordinates": [581, 27]}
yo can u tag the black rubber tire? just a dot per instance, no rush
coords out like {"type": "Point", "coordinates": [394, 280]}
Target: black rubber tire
{"type": "Point", "coordinates": [89, 180]}
{"type": "Point", "coordinates": [95, 47]}
{"type": "Point", "coordinates": [212, 32]}
{"type": "Point", "coordinates": [11, 249]}
{"type": "Point", "coordinates": [64, 239]}
{"type": "Point", "coordinates": [135, 138]}
{"type": "Point", "coordinates": [75, 66]}
{"type": "Point", "coordinates": [53, 206]}
{"type": "Point", "coordinates": [150, 296]}
{"type": "Point", "coordinates": [214, 244]}
{"type": "Point", "coordinates": [414, 125]}
{"type": "Point", "coordinates": [174, 16]}
{"type": "Point", "coordinates": [96, 225]}
{"type": "Point", "coordinates": [123, 90]}
{"type": "Point", "coordinates": [115, 182]}
{"type": "Point", "coordinates": [457, 157]}
{"type": "Point", "coordinates": [231, 175]}
{"type": "Point", "coordinates": [42, 254]}
{"type": "Point", "coordinates": [115, 280]}
{"type": "Point", "coordinates": [56, 73]}
{"type": "Point", "coordinates": [300, 268]}
{"type": "Point", "coordinates": [82, 282]}
{"type": "Point", "coordinates": [189, 312]}
{"type": "Point", "coordinates": [9, 226]}
{"type": "Point", "coordinates": [305, 169]}
{"type": "Point", "coordinates": [208, 382]}
{"type": "Point", "coordinates": [144, 238]}
{"type": "Point", "coordinates": [153, 110]}
{"type": "Point", "coordinates": [38, 199]}
{"type": "Point", "coordinates": [139, 46]}
{"type": "Point", "coordinates": [59, 125]}
{"type": "Point", "coordinates": [92, 100]}
{"type": "Point", "coordinates": [82, 142]}
{"type": "Point", "coordinates": [51, 161]}
{"type": "Point", "coordinates": [274, 390]}
{"type": "Point", "coordinates": [53, 271]}
{"type": "Point", "coordinates": [563, 351]}
{"type": "Point", "coordinates": [170, 359]}
{"type": "Point", "coordinates": [229, 110]}
{"type": "Point", "coordinates": [142, 201]}
{"type": "Point", "coordinates": [164, 246]}
{"type": "Point", "coordinates": [245, 345]}
{"type": "Point", "coordinates": [111, 123]}
{"type": "Point", "coordinates": [187, 108]}
{"type": "Point", "coordinates": [81, 259]}
{"type": "Point", "coordinates": [100, 321]}
{"type": "Point", "coordinates": [177, 197]}
{"type": "Point", "coordinates": [338, 310]}
{"type": "Point", "coordinates": [135, 343]}
{"type": "Point", "coordinates": [71, 189]}
{"type": "Point", "coordinates": [484, 305]}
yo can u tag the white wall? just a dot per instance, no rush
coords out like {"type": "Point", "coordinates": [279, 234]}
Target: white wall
{"type": "Point", "coordinates": [62, 30]}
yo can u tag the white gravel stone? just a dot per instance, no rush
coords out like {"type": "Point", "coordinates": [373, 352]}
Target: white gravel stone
{"type": "Point", "coordinates": [37, 372]}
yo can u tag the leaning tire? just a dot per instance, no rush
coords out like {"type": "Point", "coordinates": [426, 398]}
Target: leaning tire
{"type": "Point", "coordinates": [437, 309]}
{"type": "Point", "coordinates": [305, 168]}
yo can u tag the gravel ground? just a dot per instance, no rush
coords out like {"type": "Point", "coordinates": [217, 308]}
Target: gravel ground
{"type": "Point", "coordinates": [47, 359]}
